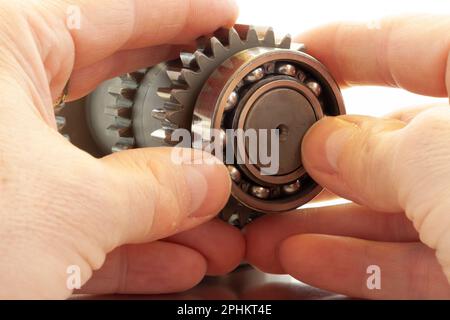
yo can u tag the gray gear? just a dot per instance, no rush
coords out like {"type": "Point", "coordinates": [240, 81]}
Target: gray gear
{"type": "Point", "coordinates": [145, 112]}
{"type": "Point", "coordinates": [110, 111]}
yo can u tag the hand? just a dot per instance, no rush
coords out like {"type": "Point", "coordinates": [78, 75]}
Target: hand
{"type": "Point", "coordinates": [60, 206]}
{"type": "Point", "coordinates": [395, 169]}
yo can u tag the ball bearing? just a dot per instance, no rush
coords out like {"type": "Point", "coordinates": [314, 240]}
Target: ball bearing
{"type": "Point", "coordinates": [278, 89]}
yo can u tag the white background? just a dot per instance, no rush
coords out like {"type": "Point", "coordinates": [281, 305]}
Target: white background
{"type": "Point", "coordinates": [295, 16]}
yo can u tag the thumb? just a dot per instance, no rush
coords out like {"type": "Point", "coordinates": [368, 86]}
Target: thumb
{"type": "Point", "coordinates": [353, 156]}
{"type": "Point", "coordinates": [155, 195]}
{"type": "Point", "coordinates": [389, 165]}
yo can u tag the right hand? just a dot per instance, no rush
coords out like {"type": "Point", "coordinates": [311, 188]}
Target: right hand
{"type": "Point", "coordinates": [397, 169]}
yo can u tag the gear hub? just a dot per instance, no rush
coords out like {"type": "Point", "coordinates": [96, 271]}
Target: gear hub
{"type": "Point", "coordinates": [238, 79]}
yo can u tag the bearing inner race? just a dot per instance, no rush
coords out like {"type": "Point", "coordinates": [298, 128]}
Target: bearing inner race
{"type": "Point", "coordinates": [287, 105]}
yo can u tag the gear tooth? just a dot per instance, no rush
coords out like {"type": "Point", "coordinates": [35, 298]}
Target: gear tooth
{"type": "Point", "coordinates": [59, 108]}
{"type": "Point", "coordinates": [174, 71]}
{"type": "Point", "coordinates": [172, 106]}
{"type": "Point", "coordinates": [175, 64]}
{"type": "Point", "coordinates": [168, 125]}
{"type": "Point", "coordinates": [242, 30]}
{"type": "Point", "coordinates": [252, 35]}
{"type": "Point", "coordinates": [127, 90]}
{"type": "Point", "coordinates": [188, 60]}
{"type": "Point", "coordinates": [269, 38]}
{"type": "Point", "coordinates": [130, 84]}
{"type": "Point", "coordinates": [159, 134]}
{"type": "Point", "coordinates": [123, 102]}
{"type": "Point", "coordinates": [129, 141]}
{"type": "Point", "coordinates": [202, 59]}
{"type": "Point", "coordinates": [124, 90]}
{"type": "Point", "coordinates": [217, 47]}
{"type": "Point", "coordinates": [115, 91]}
{"type": "Point", "coordinates": [60, 122]}
{"type": "Point", "coordinates": [223, 35]}
{"type": "Point", "coordinates": [175, 116]}
{"type": "Point", "coordinates": [168, 132]}
{"type": "Point", "coordinates": [234, 38]}
{"type": "Point", "coordinates": [189, 76]}
{"type": "Point", "coordinates": [164, 93]}
{"type": "Point", "coordinates": [174, 75]}
{"type": "Point", "coordinates": [129, 93]}
{"type": "Point", "coordinates": [298, 46]}
{"type": "Point", "coordinates": [286, 42]}
{"type": "Point", "coordinates": [126, 77]}
{"type": "Point", "coordinates": [118, 130]}
{"type": "Point", "coordinates": [118, 111]}
{"type": "Point", "coordinates": [133, 78]}
{"type": "Point", "coordinates": [118, 147]}
{"type": "Point", "coordinates": [123, 122]}
{"type": "Point", "coordinates": [180, 96]}
{"type": "Point", "coordinates": [168, 137]}
{"type": "Point", "coordinates": [169, 115]}
{"type": "Point", "coordinates": [138, 76]}
{"type": "Point", "coordinates": [159, 114]}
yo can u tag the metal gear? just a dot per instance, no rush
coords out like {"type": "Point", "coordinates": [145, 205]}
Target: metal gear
{"type": "Point", "coordinates": [239, 78]}
{"type": "Point", "coordinates": [189, 73]}
{"type": "Point", "coordinates": [110, 112]}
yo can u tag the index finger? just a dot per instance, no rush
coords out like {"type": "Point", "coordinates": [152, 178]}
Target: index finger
{"type": "Point", "coordinates": [409, 52]}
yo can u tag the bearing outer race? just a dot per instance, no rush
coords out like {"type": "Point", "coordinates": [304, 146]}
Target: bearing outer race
{"type": "Point", "coordinates": [228, 76]}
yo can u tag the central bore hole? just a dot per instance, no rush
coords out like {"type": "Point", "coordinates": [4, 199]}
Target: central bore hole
{"type": "Point", "coordinates": [283, 132]}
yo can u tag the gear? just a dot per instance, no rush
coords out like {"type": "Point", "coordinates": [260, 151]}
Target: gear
{"type": "Point", "coordinates": [189, 73]}
{"type": "Point", "coordinates": [238, 79]}
{"type": "Point", "coordinates": [109, 118]}
{"type": "Point", "coordinates": [167, 93]}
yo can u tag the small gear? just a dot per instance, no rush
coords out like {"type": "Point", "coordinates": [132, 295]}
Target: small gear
{"type": "Point", "coordinates": [238, 79]}
{"type": "Point", "coordinates": [111, 123]}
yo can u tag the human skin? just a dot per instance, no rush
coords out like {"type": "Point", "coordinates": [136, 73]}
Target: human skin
{"type": "Point", "coordinates": [121, 218]}
{"type": "Point", "coordinates": [396, 170]}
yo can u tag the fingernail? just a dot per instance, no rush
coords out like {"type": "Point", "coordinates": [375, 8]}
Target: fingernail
{"type": "Point", "coordinates": [324, 144]}
{"type": "Point", "coordinates": [209, 186]}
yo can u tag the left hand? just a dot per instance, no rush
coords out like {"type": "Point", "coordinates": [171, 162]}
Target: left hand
{"type": "Point", "coordinates": [122, 219]}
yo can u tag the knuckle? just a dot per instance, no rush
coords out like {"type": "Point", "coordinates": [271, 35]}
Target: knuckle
{"type": "Point", "coordinates": [370, 157]}
{"type": "Point", "coordinates": [422, 146]}
{"type": "Point", "coordinates": [422, 158]}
